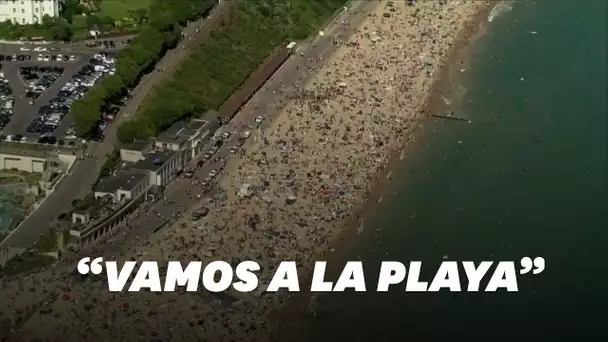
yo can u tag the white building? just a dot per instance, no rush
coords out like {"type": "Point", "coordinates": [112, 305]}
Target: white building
{"type": "Point", "coordinates": [28, 11]}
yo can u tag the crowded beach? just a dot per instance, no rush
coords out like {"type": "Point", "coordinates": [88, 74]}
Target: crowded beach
{"type": "Point", "coordinates": [286, 197]}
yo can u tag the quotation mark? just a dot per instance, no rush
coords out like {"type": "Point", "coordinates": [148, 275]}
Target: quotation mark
{"type": "Point", "coordinates": [536, 266]}
{"type": "Point", "coordinates": [95, 268]}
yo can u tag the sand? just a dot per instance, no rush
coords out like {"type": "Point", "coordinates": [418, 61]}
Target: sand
{"type": "Point", "coordinates": [325, 150]}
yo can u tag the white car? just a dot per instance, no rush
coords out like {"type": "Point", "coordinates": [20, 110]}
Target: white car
{"type": "Point", "coordinates": [234, 150]}
{"type": "Point", "coordinates": [259, 119]}
{"type": "Point", "coordinates": [70, 137]}
{"type": "Point", "coordinates": [25, 49]}
{"type": "Point", "coordinates": [225, 135]}
{"type": "Point", "coordinates": [23, 139]}
{"type": "Point", "coordinates": [40, 58]}
{"type": "Point", "coordinates": [39, 48]}
{"type": "Point", "coordinates": [246, 134]}
{"type": "Point", "coordinates": [9, 138]}
{"type": "Point", "coordinates": [212, 173]}
{"type": "Point", "coordinates": [59, 57]}
{"type": "Point", "coordinates": [72, 58]}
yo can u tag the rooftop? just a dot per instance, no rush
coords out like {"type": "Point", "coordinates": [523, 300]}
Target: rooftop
{"type": "Point", "coordinates": [99, 209]}
{"type": "Point", "coordinates": [123, 180]}
{"type": "Point", "coordinates": [153, 161]}
{"type": "Point", "coordinates": [25, 152]}
{"type": "Point", "coordinates": [137, 145]}
{"type": "Point", "coordinates": [95, 207]}
{"type": "Point", "coordinates": [182, 131]}
{"type": "Point", "coordinates": [210, 115]}
{"type": "Point", "coordinates": [34, 150]}
{"type": "Point", "coordinates": [173, 134]}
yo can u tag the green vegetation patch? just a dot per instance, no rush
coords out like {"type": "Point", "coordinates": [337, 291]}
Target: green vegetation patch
{"type": "Point", "coordinates": [26, 262]}
{"type": "Point", "coordinates": [161, 31]}
{"type": "Point", "coordinates": [120, 9]}
{"type": "Point", "coordinates": [219, 67]}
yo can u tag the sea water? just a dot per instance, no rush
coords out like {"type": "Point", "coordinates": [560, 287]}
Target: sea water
{"type": "Point", "coordinates": [525, 178]}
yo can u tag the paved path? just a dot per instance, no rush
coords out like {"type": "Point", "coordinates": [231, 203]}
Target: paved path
{"type": "Point", "coordinates": [8, 47]}
{"type": "Point", "coordinates": [171, 60]}
{"type": "Point", "coordinates": [85, 173]}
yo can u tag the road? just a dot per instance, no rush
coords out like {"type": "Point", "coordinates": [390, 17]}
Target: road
{"type": "Point", "coordinates": [23, 111]}
{"type": "Point", "coordinates": [73, 48]}
{"type": "Point", "coordinates": [295, 72]}
{"type": "Point", "coordinates": [171, 60]}
{"type": "Point", "coordinates": [85, 173]}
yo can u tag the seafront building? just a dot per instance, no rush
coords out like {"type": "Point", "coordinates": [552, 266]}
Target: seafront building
{"type": "Point", "coordinates": [51, 164]}
{"type": "Point", "coordinates": [145, 168]}
{"type": "Point", "coordinates": [28, 11]}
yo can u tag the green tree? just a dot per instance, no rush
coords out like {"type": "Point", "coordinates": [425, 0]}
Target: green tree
{"type": "Point", "coordinates": [61, 30]}
{"type": "Point", "coordinates": [128, 70]}
{"type": "Point", "coordinates": [93, 21]}
{"type": "Point", "coordinates": [85, 115]}
{"type": "Point", "coordinates": [162, 21]}
{"type": "Point", "coordinates": [70, 9]}
{"type": "Point", "coordinates": [107, 23]}
{"type": "Point", "coordinates": [139, 15]}
{"type": "Point", "coordinates": [138, 129]}
{"type": "Point", "coordinates": [113, 86]}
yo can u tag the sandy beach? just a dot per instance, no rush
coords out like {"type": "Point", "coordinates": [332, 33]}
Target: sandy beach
{"type": "Point", "coordinates": [309, 173]}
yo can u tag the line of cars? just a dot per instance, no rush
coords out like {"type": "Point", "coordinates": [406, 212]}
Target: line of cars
{"type": "Point", "coordinates": [40, 58]}
{"type": "Point", "coordinates": [7, 102]}
{"type": "Point", "coordinates": [108, 44]}
{"type": "Point", "coordinates": [38, 79]}
{"type": "Point", "coordinates": [50, 115]}
{"type": "Point", "coordinates": [15, 57]}
{"type": "Point", "coordinates": [218, 143]}
{"type": "Point", "coordinates": [224, 136]}
{"type": "Point", "coordinates": [55, 58]}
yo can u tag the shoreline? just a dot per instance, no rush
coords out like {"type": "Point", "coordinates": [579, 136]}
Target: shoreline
{"type": "Point", "coordinates": [227, 236]}
{"type": "Point", "coordinates": [297, 307]}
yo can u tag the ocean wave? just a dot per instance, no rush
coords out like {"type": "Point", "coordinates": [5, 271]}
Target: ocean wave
{"type": "Point", "coordinates": [500, 9]}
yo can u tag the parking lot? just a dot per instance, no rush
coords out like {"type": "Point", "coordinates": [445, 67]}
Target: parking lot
{"type": "Point", "coordinates": [45, 82]}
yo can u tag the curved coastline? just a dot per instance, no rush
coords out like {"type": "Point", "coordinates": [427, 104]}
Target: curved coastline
{"type": "Point", "coordinates": [288, 318]}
